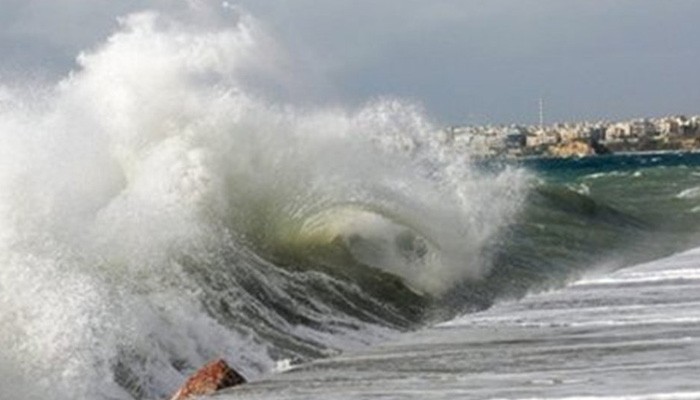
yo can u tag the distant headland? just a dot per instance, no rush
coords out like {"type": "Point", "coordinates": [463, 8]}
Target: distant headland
{"type": "Point", "coordinates": [671, 133]}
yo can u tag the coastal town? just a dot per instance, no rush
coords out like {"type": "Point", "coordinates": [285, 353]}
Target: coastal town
{"type": "Point", "coordinates": [670, 133]}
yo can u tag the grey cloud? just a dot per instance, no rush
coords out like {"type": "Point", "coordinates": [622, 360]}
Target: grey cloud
{"type": "Point", "coordinates": [487, 58]}
{"type": "Point", "coordinates": [48, 35]}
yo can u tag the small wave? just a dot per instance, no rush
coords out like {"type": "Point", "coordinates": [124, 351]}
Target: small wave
{"type": "Point", "coordinates": [690, 193]}
{"type": "Point", "coordinates": [599, 175]}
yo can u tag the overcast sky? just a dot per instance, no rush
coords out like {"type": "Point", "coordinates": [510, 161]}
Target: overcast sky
{"type": "Point", "coordinates": [466, 61]}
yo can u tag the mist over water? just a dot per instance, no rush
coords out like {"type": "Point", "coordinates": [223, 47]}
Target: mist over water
{"type": "Point", "coordinates": [156, 211]}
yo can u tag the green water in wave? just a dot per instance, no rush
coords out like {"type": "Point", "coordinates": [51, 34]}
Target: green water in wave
{"type": "Point", "coordinates": [588, 215]}
{"type": "Point", "coordinates": [580, 216]}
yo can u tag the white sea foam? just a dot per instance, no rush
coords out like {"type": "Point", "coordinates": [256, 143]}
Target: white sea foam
{"type": "Point", "coordinates": [653, 276]}
{"type": "Point", "coordinates": [650, 396]}
{"type": "Point", "coordinates": [605, 300]}
{"type": "Point", "coordinates": [690, 193]}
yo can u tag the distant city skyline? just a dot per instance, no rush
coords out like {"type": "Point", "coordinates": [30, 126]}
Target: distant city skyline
{"type": "Point", "coordinates": [466, 62]}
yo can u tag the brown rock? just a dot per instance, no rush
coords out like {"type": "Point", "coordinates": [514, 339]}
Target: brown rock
{"type": "Point", "coordinates": [214, 376]}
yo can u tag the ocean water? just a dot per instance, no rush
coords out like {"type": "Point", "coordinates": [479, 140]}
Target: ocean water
{"type": "Point", "coordinates": [157, 211]}
{"type": "Point", "coordinates": [630, 334]}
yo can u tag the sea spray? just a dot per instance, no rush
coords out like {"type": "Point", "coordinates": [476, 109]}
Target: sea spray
{"type": "Point", "coordinates": [157, 212]}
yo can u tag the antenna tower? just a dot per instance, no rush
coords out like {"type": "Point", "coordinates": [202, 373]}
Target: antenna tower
{"type": "Point", "coordinates": [541, 114]}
